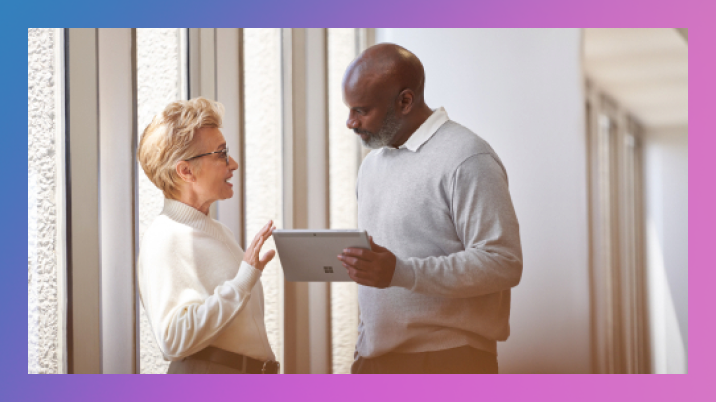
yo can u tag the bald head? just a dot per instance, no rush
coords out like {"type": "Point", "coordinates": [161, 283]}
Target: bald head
{"type": "Point", "coordinates": [383, 88]}
{"type": "Point", "coordinates": [387, 67]}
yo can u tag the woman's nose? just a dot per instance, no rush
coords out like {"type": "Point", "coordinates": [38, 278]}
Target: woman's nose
{"type": "Point", "coordinates": [233, 165]}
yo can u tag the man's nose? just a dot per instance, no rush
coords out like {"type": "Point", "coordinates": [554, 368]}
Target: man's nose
{"type": "Point", "coordinates": [352, 123]}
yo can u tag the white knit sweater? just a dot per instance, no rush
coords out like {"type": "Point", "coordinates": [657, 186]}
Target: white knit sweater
{"type": "Point", "coordinates": [196, 289]}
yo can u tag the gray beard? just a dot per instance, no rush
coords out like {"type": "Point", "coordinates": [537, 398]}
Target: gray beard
{"type": "Point", "coordinates": [386, 134]}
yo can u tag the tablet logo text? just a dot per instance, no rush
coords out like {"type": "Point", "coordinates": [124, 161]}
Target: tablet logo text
{"type": "Point", "coordinates": [328, 270]}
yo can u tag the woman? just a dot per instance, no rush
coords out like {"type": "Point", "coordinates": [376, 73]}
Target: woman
{"type": "Point", "coordinates": [202, 293]}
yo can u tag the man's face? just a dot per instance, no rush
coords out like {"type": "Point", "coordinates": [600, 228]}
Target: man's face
{"type": "Point", "coordinates": [371, 113]}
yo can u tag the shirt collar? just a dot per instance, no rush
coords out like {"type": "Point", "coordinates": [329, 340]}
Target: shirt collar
{"type": "Point", "coordinates": [426, 130]}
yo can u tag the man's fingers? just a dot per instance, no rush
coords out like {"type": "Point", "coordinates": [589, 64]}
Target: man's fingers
{"type": "Point", "coordinates": [356, 275]}
{"type": "Point", "coordinates": [354, 262]}
{"type": "Point", "coordinates": [360, 253]}
{"type": "Point", "coordinates": [361, 277]}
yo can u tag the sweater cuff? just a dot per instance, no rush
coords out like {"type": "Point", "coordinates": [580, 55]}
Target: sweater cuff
{"type": "Point", "coordinates": [247, 277]}
{"type": "Point", "coordinates": [404, 275]}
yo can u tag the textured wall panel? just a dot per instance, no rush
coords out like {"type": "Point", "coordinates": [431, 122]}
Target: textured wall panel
{"type": "Point", "coordinates": [157, 85]}
{"type": "Point", "coordinates": [262, 69]}
{"type": "Point", "coordinates": [343, 168]}
{"type": "Point", "coordinates": [43, 318]}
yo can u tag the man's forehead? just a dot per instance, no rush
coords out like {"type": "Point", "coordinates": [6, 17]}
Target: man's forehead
{"type": "Point", "coordinates": [363, 83]}
{"type": "Point", "coordinates": [360, 73]}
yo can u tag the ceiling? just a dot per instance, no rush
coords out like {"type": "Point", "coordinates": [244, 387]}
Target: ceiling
{"type": "Point", "coordinates": [645, 70]}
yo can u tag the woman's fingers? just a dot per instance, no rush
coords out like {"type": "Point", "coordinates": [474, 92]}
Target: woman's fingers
{"type": "Point", "coordinates": [267, 257]}
{"type": "Point", "coordinates": [252, 252]}
{"type": "Point", "coordinates": [267, 228]}
{"type": "Point", "coordinates": [261, 232]}
{"type": "Point", "coordinates": [262, 239]}
{"type": "Point", "coordinates": [262, 235]}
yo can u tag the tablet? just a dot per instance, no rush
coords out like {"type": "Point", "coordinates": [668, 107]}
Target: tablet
{"type": "Point", "coordinates": [312, 255]}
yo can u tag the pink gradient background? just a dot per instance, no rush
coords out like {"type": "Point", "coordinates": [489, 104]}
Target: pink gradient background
{"type": "Point", "coordinates": [697, 385]}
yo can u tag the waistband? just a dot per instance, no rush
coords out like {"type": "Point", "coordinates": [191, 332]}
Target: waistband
{"type": "Point", "coordinates": [244, 364]}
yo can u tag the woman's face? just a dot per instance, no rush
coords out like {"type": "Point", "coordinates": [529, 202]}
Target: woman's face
{"type": "Point", "coordinates": [212, 179]}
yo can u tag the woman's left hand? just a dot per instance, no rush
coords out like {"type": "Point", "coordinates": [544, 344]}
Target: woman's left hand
{"type": "Point", "coordinates": [251, 255]}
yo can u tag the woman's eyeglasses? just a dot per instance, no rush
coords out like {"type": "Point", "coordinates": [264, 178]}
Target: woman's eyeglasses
{"type": "Point", "coordinates": [224, 151]}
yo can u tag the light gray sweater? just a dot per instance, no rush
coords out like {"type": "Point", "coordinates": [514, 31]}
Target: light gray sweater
{"type": "Point", "coordinates": [445, 212]}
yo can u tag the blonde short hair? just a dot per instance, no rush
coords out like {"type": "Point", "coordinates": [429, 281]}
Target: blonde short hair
{"type": "Point", "coordinates": [168, 139]}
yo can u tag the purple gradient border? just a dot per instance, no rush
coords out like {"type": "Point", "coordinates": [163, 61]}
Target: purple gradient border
{"type": "Point", "coordinates": [695, 15]}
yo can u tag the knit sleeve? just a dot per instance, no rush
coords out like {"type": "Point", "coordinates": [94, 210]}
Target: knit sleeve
{"type": "Point", "coordinates": [185, 317]}
{"type": "Point", "coordinates": [486, 223]}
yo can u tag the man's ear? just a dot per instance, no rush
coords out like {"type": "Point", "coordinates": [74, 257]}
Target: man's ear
{"type": "Point", "coordinates": [186, 171]}
{"type": "Point", "coordinates": [406, 100]}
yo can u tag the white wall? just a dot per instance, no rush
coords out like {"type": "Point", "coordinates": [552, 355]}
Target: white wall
{"type": "Point", "coordinates": [44, 216]}
{"type": "Point", "coordinates": [521, 90]}
{"type": "Point", "coordinates": [666, 183]}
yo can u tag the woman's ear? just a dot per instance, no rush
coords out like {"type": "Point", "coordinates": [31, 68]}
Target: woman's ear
{"type": "Point", "coordinates": [185, 171]}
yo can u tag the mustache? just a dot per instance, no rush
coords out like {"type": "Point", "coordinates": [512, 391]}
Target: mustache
{"type": "Point", "coordinates": [357, 131]}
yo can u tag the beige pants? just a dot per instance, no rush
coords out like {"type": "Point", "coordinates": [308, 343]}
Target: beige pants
{"type": "Point", "coordinates": [193, 366]}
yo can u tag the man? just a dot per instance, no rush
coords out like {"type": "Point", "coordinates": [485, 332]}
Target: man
{"type": "Point", "coordinates": [433, 196]}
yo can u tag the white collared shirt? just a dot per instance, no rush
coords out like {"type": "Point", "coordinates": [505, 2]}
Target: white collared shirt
{"type": "Point", "coordinates": [426, 130]}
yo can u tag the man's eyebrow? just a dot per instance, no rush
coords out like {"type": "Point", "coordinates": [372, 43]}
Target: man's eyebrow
{"type": "Point", "coordinates": [221, 146]}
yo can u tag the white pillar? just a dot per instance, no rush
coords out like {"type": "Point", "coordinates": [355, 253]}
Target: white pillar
{"type": "Point", "coordinates": [117, 140]}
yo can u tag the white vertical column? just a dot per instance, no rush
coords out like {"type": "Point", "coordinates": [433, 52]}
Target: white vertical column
{"type": "Point", "coordinates": [83, 231]}
{"type": "Point", "coordinates": [203, 71]}
{"type": "Point", "coordinates": [296, 335]}
{"type": "Point", "coordinates": [117, 149]}
{"type": "Point", "coordinates": [366, 39]}
{"type": "Point", "coordinates": [316, 159]}
{"type": "Point", "coordinates": [207, 54]}
{"type": "Point", "coordinates": [193, 63]}
{"type": "Point", "coordinates": [307, 305]}
{"type": "Point", "coordinates": [61, 200]}
{"type": "Point", "coordinates": [228, 91]}
{"type": "Point", "coordinates": [344, 158]}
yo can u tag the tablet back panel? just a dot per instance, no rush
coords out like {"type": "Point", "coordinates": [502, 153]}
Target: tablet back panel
{"type": "Point", "coordinates": [312, 255]}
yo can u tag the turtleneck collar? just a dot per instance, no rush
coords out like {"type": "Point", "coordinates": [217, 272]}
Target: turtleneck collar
{"type": "Point", "coordinates": [190, 216]}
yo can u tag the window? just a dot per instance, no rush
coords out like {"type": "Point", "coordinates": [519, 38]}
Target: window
{"type": "Point", "coordinates": [620, 341]}
{"type": "Point", "coordinates": [344, 159]}
{"type": "Point", "coordinates": [247, 70]}
{"type": "Point", "coordinates": [158, 83]}
{"type": "Point", "coordinates": [263, 163]}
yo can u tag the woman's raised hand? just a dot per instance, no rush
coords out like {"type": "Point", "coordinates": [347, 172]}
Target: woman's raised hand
{"type": "Point", "coordinates": [251, 255]}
